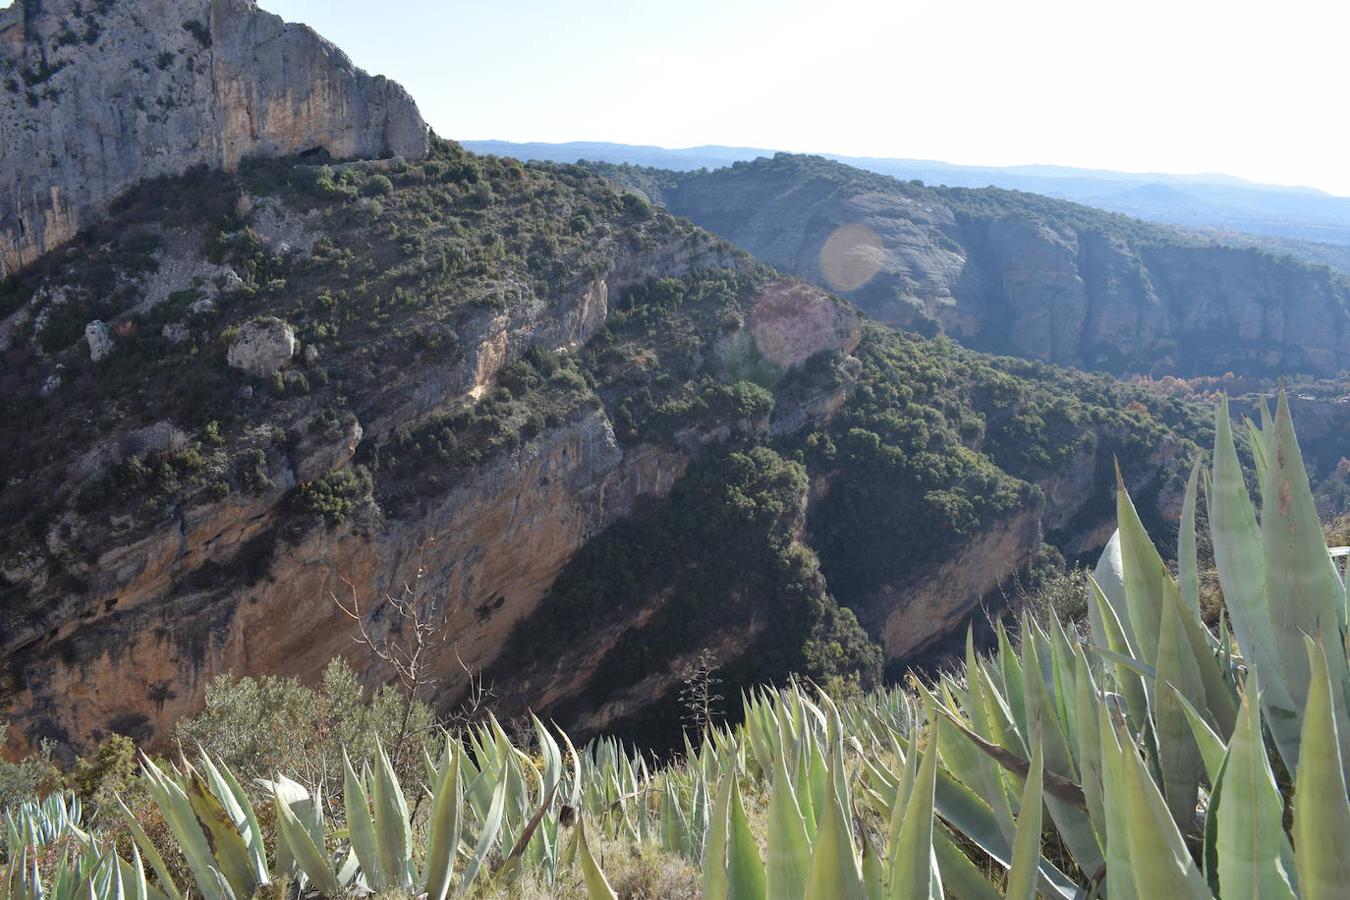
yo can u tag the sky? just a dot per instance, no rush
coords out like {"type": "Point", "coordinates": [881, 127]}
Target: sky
{"type": "Point", "coordinates": [1242, 88]}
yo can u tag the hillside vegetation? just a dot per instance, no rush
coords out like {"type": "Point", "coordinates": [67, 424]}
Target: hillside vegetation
{"type": "Point", "coordinates": [491, 363]}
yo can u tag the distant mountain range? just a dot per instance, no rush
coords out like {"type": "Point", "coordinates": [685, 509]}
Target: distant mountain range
{"type": "Point", "coordinates": [1218, 202]}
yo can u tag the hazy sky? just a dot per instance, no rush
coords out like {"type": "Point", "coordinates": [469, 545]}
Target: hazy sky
{"type": "Point", "coordinates": [1244, 88]}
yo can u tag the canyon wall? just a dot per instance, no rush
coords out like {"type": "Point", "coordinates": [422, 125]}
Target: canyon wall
{"type": "Point", "coordinates": [98, 95]}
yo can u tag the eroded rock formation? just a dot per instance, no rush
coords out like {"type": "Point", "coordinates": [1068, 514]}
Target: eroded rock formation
{"type": "Point", "coordinates": [161, 86]}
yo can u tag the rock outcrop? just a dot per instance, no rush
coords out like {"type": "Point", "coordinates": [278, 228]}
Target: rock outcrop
{"type": "Point", "coordinates": [162, 86]}
{"type": "Point", "coordinates": [1023, 275]}
{"type": "Point", "coordinates": [264, 346]}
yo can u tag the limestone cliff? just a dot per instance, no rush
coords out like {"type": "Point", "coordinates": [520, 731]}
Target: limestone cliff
{"type": "Point", "coordinates": [98, 95]}
{"type": "Point", "coordinates": [581, 430]}
{"type": "Point", "coordinates": [1015, 273]}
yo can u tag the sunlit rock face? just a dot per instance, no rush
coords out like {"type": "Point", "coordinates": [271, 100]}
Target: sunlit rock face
{"type": "Point", "coordinates": [161, 86]}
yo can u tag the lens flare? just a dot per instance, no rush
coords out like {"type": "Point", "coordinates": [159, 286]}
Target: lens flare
{"type": "Point", "coordinates": [851, 257]}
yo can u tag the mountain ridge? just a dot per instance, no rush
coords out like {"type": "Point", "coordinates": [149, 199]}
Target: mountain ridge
{"type": "Point", "coordinates": [1011, 272]}
{"type": "Point", "coordinates": [1216, 201]}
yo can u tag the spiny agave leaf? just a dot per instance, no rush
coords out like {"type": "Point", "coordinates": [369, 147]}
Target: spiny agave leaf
{"type": "Point", "coordinates": [574, 797]}
{"type": "Point", "coordinates": [1043, 711]}
{"type": "Point", "coordinates": [446, 820]}
{"type": "Point", "coordinates": [912, 873]}
{"type": "Point", "coordinates": [1188, 567]}
{"type": "Point", "coordinates": [788, 847]}
{"type": "Point", "coordinates": [1321, 809]}
{"type": "Point", "coordinates": [1131, 685]}
{"type": "Point", "coordinates": [1120, 883]}
{"type": "Point", "coordinates": [960, 875]}
{"type": "Point", "coordinates": [1211, 746]}
{"type": "Point", "coordinates": [1013, 681]}
{"type": "Point", "coordinates": [1027, 845]}
{"type": "Point", "coordinates": [1087, 700]}
{"type": "Point", "coordinates": [178, 814]}
{"type": "Point", "coordinates": [492, 826]}
{"type": "Point", "coordinates": [1240, 559]}
{"type": "Point", "coordinates": [597, 886]}
{"type": "Point", "coordinates": [1311, 598]}
{"type": "Point", "coordinates": [904, 786]}
{"type": "Point", "coordinates": [745, 870]}
{"type": "Point", "coordinates": [986, 720]}
{"type": "Point", "coordinates": [716, 880]}
{"type": "Point", "coordinates": [511, 864]}
{"type": "Point", "coordinates": [1245, 818]}
{"type": "Point", "coordinates": [1159, 860]}
{"type": "Point", "coordinates": [1178, 756]}
{"type": "Point", "coordinates": [166, 882]}
{"type": "Point", "coordinates": [393, 832]}
{"type": "Point", "coordinates": [231, 853]}
{"type": "Point", "coordinates": [312, 860]}
{"type": "Point", "coordinates": [873, 870]}
{"type": "Point", "coordinates": [224, 783]}
{"type": "Point", "coordinates": [360, 828]}
{"type": "Point", "coordinates": [1109, 574]}
{"type": "Point", "coordinates": [834, 872]}
{"type": "Point", "coordinates": [1146, 577]}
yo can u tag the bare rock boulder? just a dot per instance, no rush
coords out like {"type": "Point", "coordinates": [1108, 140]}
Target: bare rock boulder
{"type": "Point", "coordinates": [263, 347]}
{"type": "Point", "coordinates": [100, 340]}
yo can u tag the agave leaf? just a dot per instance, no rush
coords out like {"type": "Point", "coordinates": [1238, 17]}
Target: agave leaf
{"type": "Point", "coordinates": [311, 859]}
{"type": "Point", "coordinates": [1159, 861]}
{"type": "Point", "coordinates": [446, 821]}
{"type": "Point", "coordinates": [788, 847]}
{"type": "Point", "coordinates": [716, 881]}
{"type": "Point", "coordinates": [178, 814]}
{"type": "Point", "coordinates": [597, 886]}
{"type": "Point", "coordinates": [1118, 645]}
{"type": "Point", "coordinates": [1210, 745]}
{"type": "Point", "coordinates": [745, 870]}
{"type": "Point", "coordinates": [1087, 699]}
{"type": "Point", "coordinates": [1109, 575]}
{"type": "Point", "coordinates": [912, 872]}
{"type": "Point", "coordinates": [1245, 818]}
{"type": "Point", "coordinates": [1188, 567]}
{"type": "Point", "coordinates": [960, 875]}
{"type": "Point", "coordinates": [1321, 809]}
{"type": "Point", "coordinates": [360, 828]}
{"type": "Point", "coordinates": [492, 826]}
{"type": "Point", "coordinates": [1178, 756]}
{"type": "Point", "coordinates": [393, 832]}
{"type": "Point", "coordinates": [1146, 578]}
{"type": "Point", "coordinates": [166, 882]}
{"type": "Point", "coordinates": [1010, 667]}
{"type": "Point", "coordinates": [1027, 845]}
{"type": "Point", "coordinates": [1311, 598]}
{"type": "Point", "coordinates": [231, 852]}
{"type": "Point", "coordinates": [1120, 884]}
{"type": "Point", "coordinates": [834, 872]}
{"type": "Point", "coordinates": [1240, 559]}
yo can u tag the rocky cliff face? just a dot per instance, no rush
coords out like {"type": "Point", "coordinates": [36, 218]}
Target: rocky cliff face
{"type": "Point", "coordinates": [1025, 275]}
{"type": "Point", "coordinates": [96, 96]}
{"type": "Point", "coordinates": [580, 432]}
